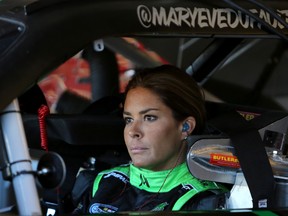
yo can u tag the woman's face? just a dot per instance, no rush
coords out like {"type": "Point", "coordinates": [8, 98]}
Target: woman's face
{"type": "Point", "coordinates": [152, 135]}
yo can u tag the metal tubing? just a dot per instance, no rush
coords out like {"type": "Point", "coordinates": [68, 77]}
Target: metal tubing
{"type": "Point", "coordinates": [20, 162]}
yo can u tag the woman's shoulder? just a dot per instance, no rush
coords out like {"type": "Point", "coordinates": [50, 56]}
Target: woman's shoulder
{"type": "Point", "coordinates": [199, 184]}
{"type": "Point", "coordinates": [123, 168]}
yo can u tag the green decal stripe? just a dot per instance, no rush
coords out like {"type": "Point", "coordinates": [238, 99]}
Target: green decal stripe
{"type": "Point", "coordinates": [182, 200]}
{"type": "Point", "coordinates": [265, 213]}
{"type": "Point", "coordinates": [95, 185]}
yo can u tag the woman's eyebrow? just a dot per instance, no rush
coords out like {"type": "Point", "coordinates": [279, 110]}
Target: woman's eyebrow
{"type": "Point", "coordinates": [126, 113]}
{"type": "Point", "coordinates": [148, 110]}
{"type": "Point", "coordinates": [141, 112]}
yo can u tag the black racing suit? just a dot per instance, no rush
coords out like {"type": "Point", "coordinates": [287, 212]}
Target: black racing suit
{"type": "Point", "coordinates": [128, 188]}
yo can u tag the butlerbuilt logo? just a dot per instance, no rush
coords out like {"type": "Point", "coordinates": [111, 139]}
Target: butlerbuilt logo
{"type": "Point", "coordinates": [224, 160]}
{"type": "Point", "coordinates": [143, 181]}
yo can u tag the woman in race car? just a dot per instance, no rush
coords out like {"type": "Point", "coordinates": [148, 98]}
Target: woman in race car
{"type": "Point", "coordinates": [162, 107]}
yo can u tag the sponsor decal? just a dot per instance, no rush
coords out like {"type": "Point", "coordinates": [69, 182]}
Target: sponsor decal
{"type": "Point", "coordinates": [117, 175]}
{"type": "Point", "coordinates": [101, 208]}
{"type": "Point", "coordinates": [144, 181]}
{"type": "Point", "coordinates": [205, 17]}
{"type": "Point", "coordinates": [187, 187]}
{"type": "Point", "coordinates": [160, 207]}
{"type": "Point", "coordinates": [248, 115]}
{"type": "Point", "coordinates": [263, 203]}
{"type": "Point", "coordinates": [224, 160]}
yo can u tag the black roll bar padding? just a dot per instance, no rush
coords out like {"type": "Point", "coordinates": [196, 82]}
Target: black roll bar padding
{"type": "Point", "coordinates": [212, 58]}
{"type": "Point", "coordinates": [251, 154]}
{"type": "Point", "coordinates": [104, 73]}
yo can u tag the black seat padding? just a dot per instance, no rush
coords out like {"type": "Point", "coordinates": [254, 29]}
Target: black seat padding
{"type": "Point", "coordinates": [77, 129]}
{"type": "Point", "coordinates": [76, 138]}
{"type": "Point", "coordinates": [80, 135]}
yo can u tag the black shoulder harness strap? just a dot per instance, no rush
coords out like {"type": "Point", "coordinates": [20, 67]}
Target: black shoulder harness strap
{"type": "Point", "coordinates": [251, 154]}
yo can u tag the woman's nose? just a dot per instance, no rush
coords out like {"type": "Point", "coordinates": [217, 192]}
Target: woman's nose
{"type": "Point", "coordinates": [135, 131]}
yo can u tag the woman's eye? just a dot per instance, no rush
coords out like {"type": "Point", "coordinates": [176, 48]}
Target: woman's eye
{"type": "Point", "coordinates": [150, 118]}
{"type": "Point", "coordinates": [128, 120]}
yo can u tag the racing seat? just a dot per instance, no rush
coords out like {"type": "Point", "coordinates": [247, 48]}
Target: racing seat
{"type": "Point", "coordinates": [236, 148]}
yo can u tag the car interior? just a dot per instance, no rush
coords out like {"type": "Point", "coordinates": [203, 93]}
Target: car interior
{"type": "Point", "coordinates": [76, 131]}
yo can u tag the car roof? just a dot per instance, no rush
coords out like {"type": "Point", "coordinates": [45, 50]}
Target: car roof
{"type": "Point", "coordinates": [37, 36]}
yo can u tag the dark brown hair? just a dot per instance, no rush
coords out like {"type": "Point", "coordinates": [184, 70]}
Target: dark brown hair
{"type": "Point", "coordinates": [177, 89]}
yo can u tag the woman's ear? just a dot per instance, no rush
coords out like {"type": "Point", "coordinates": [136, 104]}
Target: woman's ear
{"type": "Point", "coordinates": [188, 126]}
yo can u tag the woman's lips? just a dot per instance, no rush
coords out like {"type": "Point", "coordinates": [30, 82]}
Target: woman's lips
{"type": "Point", "coordinates": [136, 150]}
